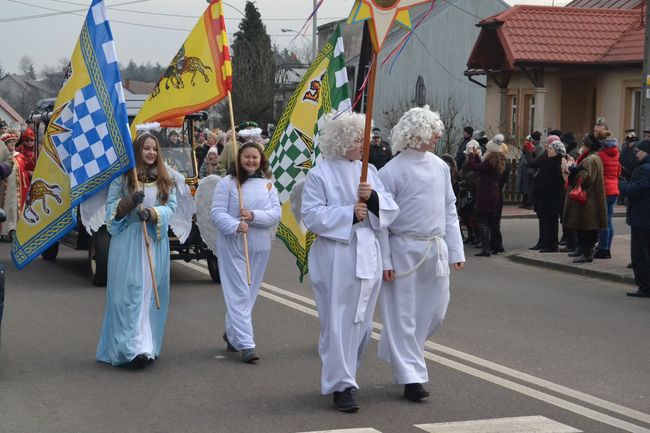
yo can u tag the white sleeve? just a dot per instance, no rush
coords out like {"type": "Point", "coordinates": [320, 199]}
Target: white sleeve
{"type": "Point", "coordinates": [226, 223]}
{"type": "Point", "coordinates": [453, 237]}
{"type": "Point", "coordinates": [267, 218]}
{"type": "Point", "coordinates": [332, 222]}
{"type": "Point", "coordinates": [383, 235]}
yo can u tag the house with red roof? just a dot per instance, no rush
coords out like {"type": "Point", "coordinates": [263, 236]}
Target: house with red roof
{"type": "Point", "coordinates": [561, 68]}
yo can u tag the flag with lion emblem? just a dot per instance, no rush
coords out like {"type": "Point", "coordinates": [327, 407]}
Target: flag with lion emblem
{"type": "Point", "coordinates": [293, 150]}
{"type": "Point", "coordinates": [86, 143]}
{"type": "Point", "coordinates": [199, 75]}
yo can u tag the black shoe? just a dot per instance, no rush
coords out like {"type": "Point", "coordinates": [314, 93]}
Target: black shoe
{"type": "Point", "coordinates": [229, 347]}
{"type": "Point", "coordinates": [583, 259]}
{"type": "Point", "coordinates": [482, 254]}
{"type": "Point", "coordinates": [249, 356]}
{"type": "Point", "coordinates": [546, 250]}
{"type": "Point", "coordinates": [602, 254]}
{"type": "Point", "coordinates": [535, 247]}
{"type": "Point", "coordinates": [639, 294]}
{"type": "Point", "coordinates": [566, 250]}
{"type": "Point", "coordinates": [415, 392]}
{"type": "Point", "coordinates": [629, 265]}
{"type": "Point", "coordinates": [498, 250]}
{"type": "Point", "coordinates": [562, 242]}
{"type": "Point", "coordinates": [576, 253]}
{"type": "Point", "coordinates": [344, 401]}
{"type": "Point", "coordinates": [137, 363]}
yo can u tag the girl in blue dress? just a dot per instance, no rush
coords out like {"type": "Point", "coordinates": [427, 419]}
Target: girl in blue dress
{"type": "Point", "coordinates": [133, 327]}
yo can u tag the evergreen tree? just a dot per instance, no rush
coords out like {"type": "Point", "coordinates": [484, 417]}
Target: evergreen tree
{"type": "Point", "coordinates": [131, 71]}
{"type": "Point", "coordinates": [253, 70]}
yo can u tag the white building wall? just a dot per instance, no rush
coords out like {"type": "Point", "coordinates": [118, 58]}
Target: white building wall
{"type": "Point", "coordinates": [448, 38]}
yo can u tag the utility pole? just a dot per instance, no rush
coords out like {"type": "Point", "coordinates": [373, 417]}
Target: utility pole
{"type": "Point", "coordinates": [314, 34]}
{"type": "Point", "coordinates": [645, 96]}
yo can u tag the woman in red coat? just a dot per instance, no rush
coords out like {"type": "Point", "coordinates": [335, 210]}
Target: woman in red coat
{"type": "Point", "coordinates": [610, 156]}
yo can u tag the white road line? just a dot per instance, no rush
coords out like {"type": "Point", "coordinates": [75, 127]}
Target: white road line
{"type": "Point", "coordinates": [524, 424]}
{"type": "Point", "coordinates": [350, 430]}
{"type": "Point", "coordinates": [522, 389]}
{"type": "Point", "coordinates": [595, 401]}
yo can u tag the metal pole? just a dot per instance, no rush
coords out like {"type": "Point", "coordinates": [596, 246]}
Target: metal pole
{"type": "Point", "coordinates": [314, 31]}
{"type": "Point", "coordinates": [645, 97]}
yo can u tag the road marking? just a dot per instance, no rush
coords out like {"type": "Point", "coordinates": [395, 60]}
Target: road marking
{"type": "Point", "coordinates": [522, 389]}
{"type": "Point", "coordinates": [350, 430]}
{"type": "Point", "coordinates": [524, 424]}
{"type": "Point", "coordinates": [595, 401]}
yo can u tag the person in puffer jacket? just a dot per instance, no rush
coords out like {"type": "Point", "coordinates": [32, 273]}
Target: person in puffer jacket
{"type": "Point", "coordinates": [610, 155]}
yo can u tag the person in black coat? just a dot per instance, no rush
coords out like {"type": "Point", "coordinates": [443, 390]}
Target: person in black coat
{"type": "Point", "coordinates": [549, 187]}
{"type": "Point", "coordinates": [487, 191]}
{"type": "Point", "coordinates": [637, 190]}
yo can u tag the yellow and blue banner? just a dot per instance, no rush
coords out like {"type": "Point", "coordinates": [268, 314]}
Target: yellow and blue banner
{"type": "Point", "coordinates": [85, 146]}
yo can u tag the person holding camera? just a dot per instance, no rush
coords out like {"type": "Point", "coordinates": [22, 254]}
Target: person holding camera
{"type": "Point", "coordinates": [133, 327]}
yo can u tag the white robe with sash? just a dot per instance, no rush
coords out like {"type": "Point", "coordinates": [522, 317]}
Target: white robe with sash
{"type": "Point", "coordinates": [261, 198]}
{"type": "Point", "coordinates": [418, 246]}
{"type": "Point", "coordinates": [344, 265]}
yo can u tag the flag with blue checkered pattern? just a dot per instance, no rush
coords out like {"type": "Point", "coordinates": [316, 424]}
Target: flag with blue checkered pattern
{"type": "Point", "coordinates": [86, 143]}
{"type": "Point", "coordinates": [293, 149]}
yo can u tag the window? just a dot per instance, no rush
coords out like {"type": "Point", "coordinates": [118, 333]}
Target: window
{"type": "Point", "coordinates": [512, 118]}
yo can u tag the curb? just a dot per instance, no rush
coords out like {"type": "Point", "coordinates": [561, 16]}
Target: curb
{"type": "Point", "coordinates": [593, 273]}
{"type": "Point", "coordinates": [534, 216]}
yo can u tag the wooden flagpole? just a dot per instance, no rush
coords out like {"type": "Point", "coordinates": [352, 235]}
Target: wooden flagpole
{"type": "Point", "coordinates": [147, 246]}
{"type": "Point", "coordinates": [239, 193]}
{"type": "Point", "coordinates": [369, 103]}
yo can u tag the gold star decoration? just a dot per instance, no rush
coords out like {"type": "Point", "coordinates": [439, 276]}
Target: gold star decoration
{"type": "Point", "coordinates": [382, 14]}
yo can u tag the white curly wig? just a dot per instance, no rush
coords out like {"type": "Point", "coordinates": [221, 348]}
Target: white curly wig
{"type": "Point", "coordinates": [338, 134]}
{"type": "Point", "coordinates": [416, 128]}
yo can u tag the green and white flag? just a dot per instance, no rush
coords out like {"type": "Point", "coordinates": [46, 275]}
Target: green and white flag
{"type": "Point", "coordinates": [293, 150]}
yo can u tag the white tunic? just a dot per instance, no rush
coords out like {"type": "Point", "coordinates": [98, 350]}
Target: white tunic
{"type": "Point", "coordinates": [344, 265]}
{"type": "Point", "coordinates": [418, 246]}
{"type": "Point", "coordinates": [261, 198]}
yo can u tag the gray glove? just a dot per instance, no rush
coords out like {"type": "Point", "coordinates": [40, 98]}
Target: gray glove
{"type": "Point", "coordinates": [144, 215]}
{"type": "Point", "coordinates": [137, 197]}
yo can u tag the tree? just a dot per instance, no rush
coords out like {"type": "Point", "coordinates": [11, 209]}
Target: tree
{"type": "Point", "coordinates": [26, 66]}
{"type": "Point", "coordinates": [2, 71]}
{"type": "Point", "coordinates": [253, 69]}
{"type": "Point", "coordinates": [449, 107]}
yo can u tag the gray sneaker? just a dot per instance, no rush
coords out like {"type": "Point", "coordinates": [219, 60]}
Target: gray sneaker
{"type": "Point", "coordinates": [249, 356]}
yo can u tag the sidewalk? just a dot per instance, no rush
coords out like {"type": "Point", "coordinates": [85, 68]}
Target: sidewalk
{"type": "Point", "coordinates": [512, 211]}
{"type": "Point", "coordinates": [614, 269]}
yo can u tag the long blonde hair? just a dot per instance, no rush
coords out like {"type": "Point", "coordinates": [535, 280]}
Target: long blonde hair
{"type": "Point", "coordinates": [164, 181]}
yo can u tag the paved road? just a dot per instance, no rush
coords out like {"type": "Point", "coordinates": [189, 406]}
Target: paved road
{"type": "Point", "coordinates": [518, 342]}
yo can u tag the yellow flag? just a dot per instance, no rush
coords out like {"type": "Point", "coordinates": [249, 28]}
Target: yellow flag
{"type": "Point", "coordinates": [199, 75]}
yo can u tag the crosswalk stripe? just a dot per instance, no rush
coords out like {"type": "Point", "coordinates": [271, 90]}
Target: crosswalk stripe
{"type": "Point", "coordinates": [350, 430]}
{"type": "Point", "coordinates": [524, 424]}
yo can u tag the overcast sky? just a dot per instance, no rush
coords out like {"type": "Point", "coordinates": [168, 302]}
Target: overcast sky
{"type": "Point", "coordinates": [37, 28]}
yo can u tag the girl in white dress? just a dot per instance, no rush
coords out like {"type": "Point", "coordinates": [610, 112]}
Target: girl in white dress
{"type": "Point", "coordinates": [259, 213]}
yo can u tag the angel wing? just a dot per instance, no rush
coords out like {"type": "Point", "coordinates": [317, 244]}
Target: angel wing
{"type": "Point", "coordinates": [93, 211]}
{"type": "Point", "coordinates": [295, 200]}
{"type": "Point", "coordinates": [203, 200]}
{"type": "Point", "coordinates": [181, 222]}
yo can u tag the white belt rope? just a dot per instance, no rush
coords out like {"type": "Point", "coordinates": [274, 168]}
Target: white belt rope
{"type": "Point", "coordinates": [438, 239]}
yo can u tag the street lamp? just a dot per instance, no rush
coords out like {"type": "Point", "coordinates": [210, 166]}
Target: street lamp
{"type": "Point", "coordinates": [313, 49]}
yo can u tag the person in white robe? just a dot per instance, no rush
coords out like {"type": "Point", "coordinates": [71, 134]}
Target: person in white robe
{"type": "Point", "coordinates": [344, 260]}
{"type": "Point", "coordinates": [417, 248]}
{"type": "Point", "coordinates": [260, 212]}
{"type": "Point", "coordinates": [133, 327]}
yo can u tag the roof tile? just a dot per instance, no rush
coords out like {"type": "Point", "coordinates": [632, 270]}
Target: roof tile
{"type": "Point", "coordinates": [571, 35]}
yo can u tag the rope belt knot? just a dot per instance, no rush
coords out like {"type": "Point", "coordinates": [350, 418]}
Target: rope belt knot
{"type": "Point", "coordinates": [442, 264]}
